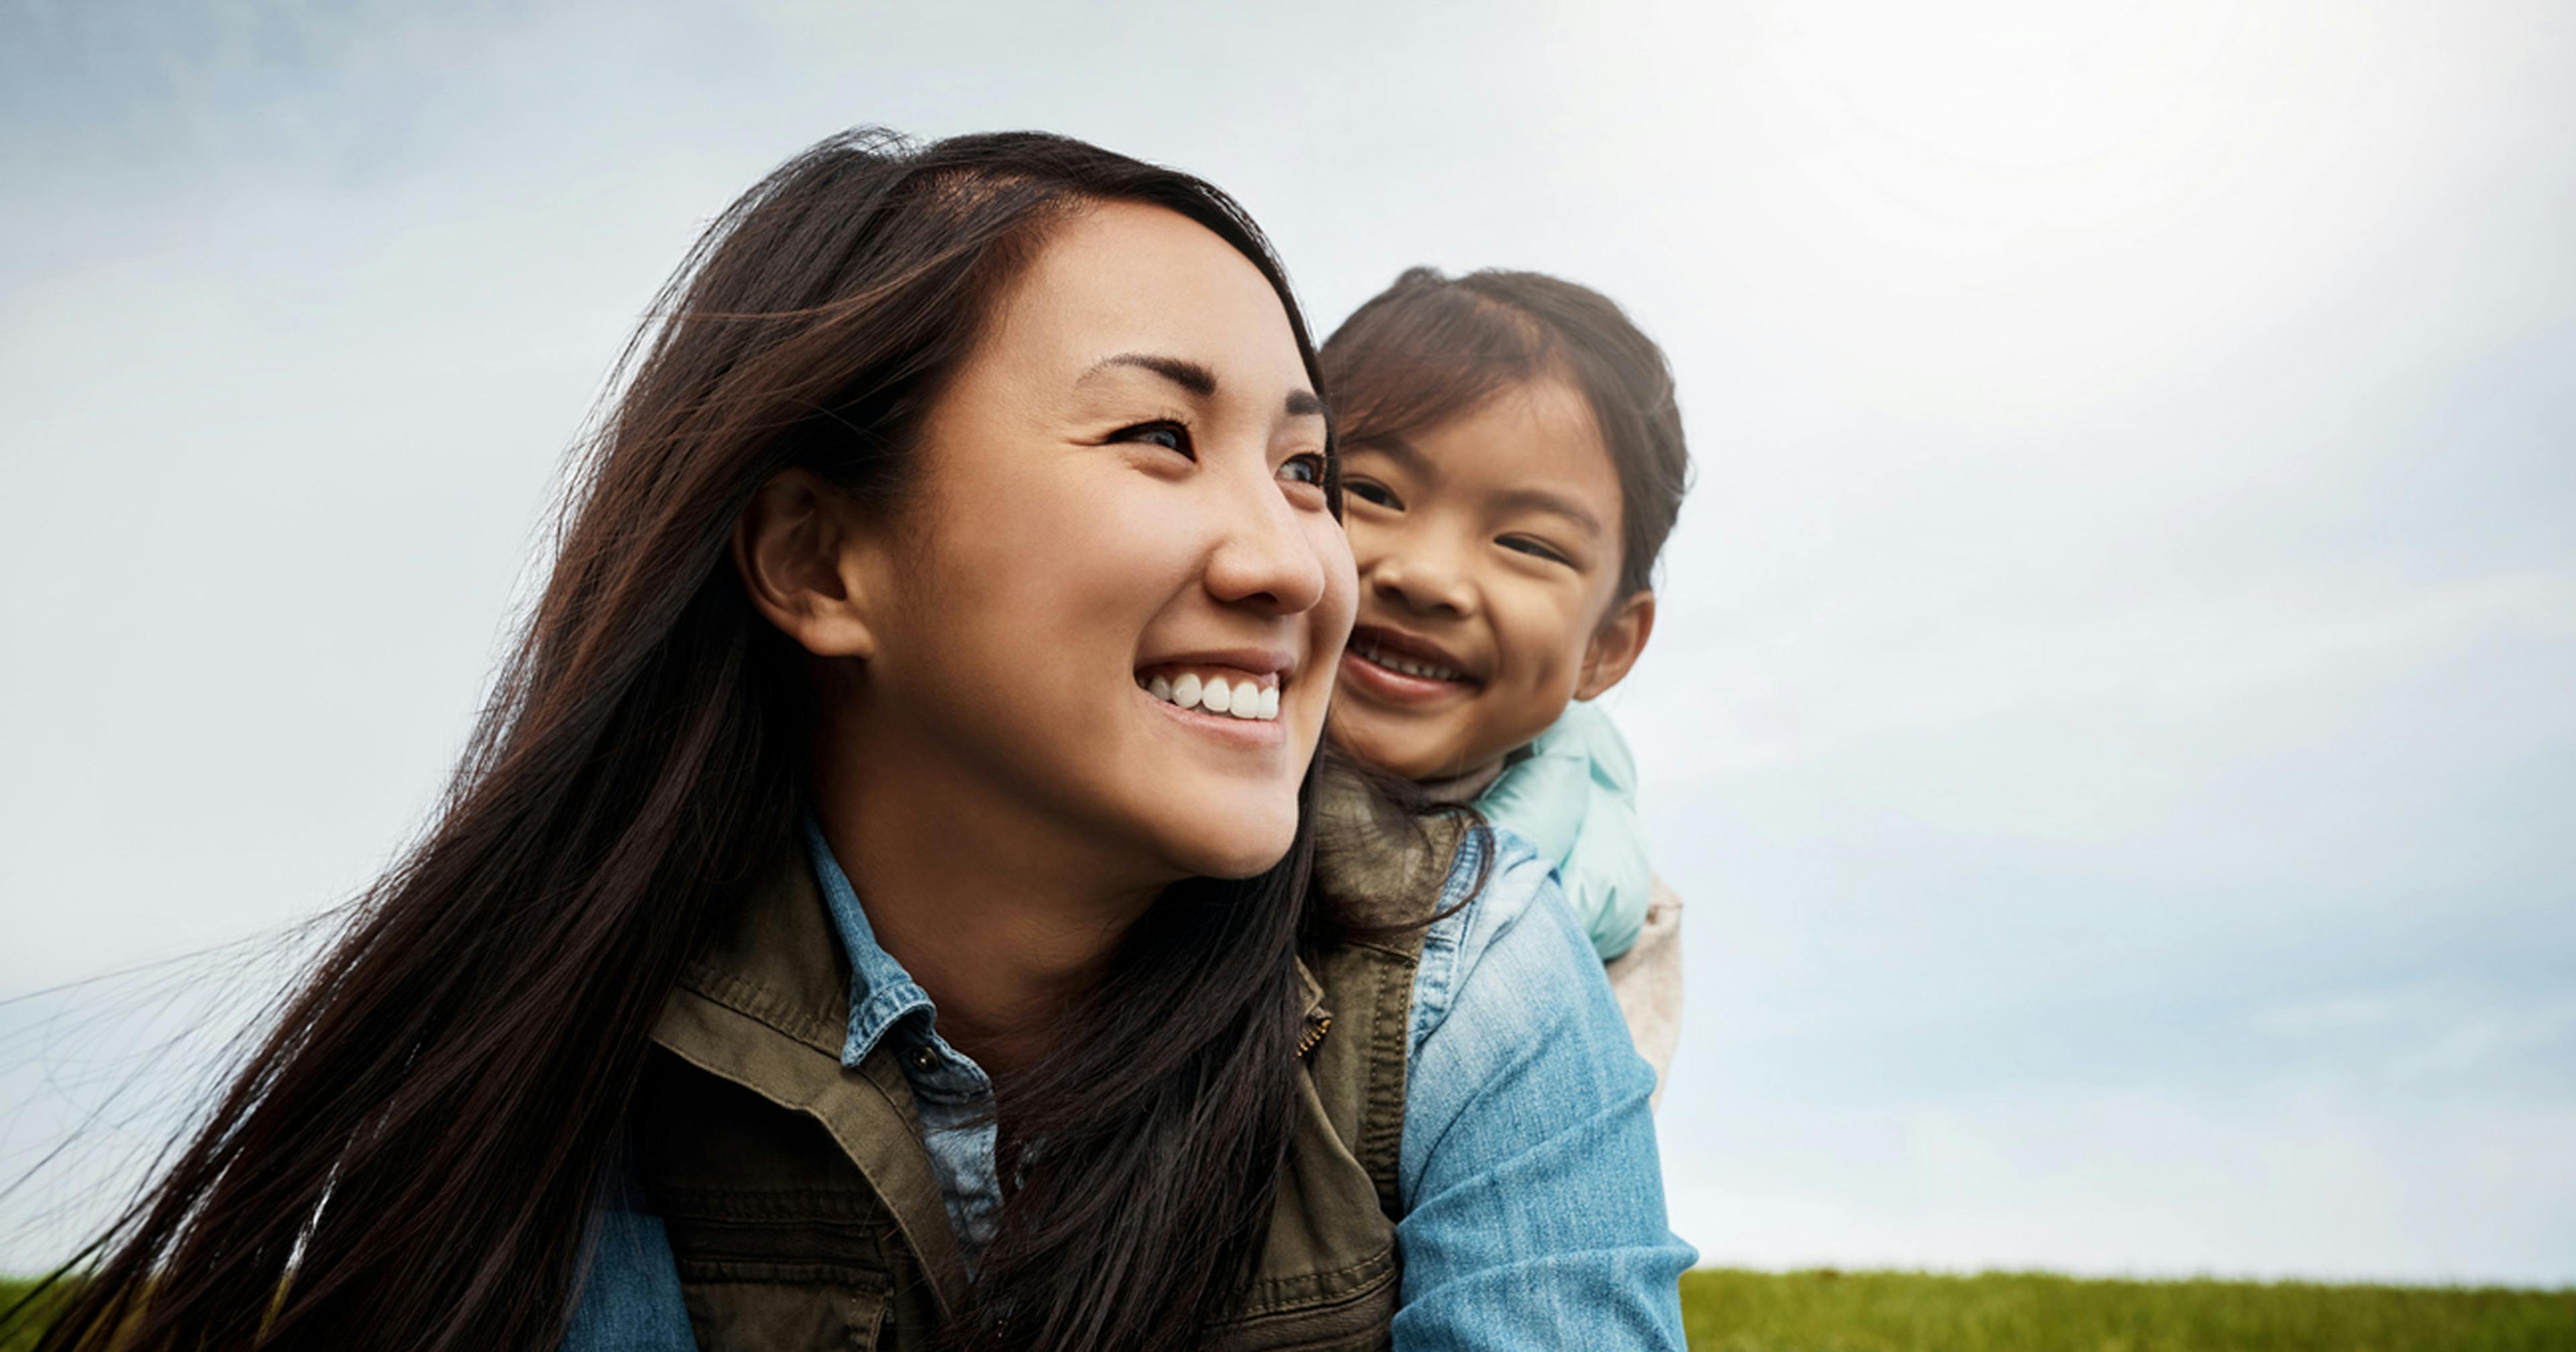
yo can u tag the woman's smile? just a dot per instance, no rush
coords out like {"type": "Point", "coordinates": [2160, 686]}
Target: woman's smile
{"type": "Point", "coordinates": [1233, 695]}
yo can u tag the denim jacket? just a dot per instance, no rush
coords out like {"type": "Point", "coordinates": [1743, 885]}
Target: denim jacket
{"type": "Point", "coordinates": [1531, 1199]}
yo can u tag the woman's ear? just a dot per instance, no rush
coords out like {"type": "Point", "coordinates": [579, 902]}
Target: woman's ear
{"type": "Point", "coordinates": [1616, 644]}
{"type": "Point", "coordinates": [800, 549]}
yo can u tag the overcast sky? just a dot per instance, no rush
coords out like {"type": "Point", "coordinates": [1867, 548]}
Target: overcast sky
{"type": "Point", "coordinates": [2111, 714]}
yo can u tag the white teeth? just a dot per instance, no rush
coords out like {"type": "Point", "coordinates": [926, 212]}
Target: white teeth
{"type": "Point", "coordinates": [1407, 665]}
{"type": "Point", "coordinates": [1244, 698]}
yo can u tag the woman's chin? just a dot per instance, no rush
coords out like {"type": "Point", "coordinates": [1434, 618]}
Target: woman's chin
{"type": "Point", "coordinates": [1258, 839]}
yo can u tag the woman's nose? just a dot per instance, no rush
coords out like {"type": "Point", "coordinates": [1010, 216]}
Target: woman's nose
{"type": "Point", "coordinates": [1266, 557]}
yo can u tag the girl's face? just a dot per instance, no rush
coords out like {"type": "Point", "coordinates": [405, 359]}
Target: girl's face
{"type": "Point", "coordinates": [1488, 551]}
{"type": "Point", "coordinates": [1115, 605]}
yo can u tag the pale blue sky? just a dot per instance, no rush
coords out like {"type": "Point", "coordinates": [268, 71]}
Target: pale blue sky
{"type": "Point", "coordinates": [2111, 715]}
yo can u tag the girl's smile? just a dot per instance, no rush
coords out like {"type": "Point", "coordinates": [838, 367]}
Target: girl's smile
{"type": "Point", "coordinates": [1390, 664]}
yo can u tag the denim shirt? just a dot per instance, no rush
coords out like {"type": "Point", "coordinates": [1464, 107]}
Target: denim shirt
{"type": "Point", "coordinates": [1532, 1194]}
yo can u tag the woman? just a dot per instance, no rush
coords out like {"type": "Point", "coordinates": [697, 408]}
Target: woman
{"type": "Point", "coordinates": [909, 566]}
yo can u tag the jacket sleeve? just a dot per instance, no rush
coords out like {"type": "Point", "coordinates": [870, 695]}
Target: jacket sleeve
{"type": "Point", "coordinates": [1532, 1191]}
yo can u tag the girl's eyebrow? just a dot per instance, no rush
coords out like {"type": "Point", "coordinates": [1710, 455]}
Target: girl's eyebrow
{"type": "Point", "coordinates": [1402, 452]}
{"type": "Point", "coordinates": [1551, 503]}
{"type": "Point", "coordinates": [1545, 500]}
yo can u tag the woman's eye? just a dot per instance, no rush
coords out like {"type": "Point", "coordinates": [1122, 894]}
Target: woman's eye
{"type": "Point", "coordinates": [1370, 490]}
{"type": "Point", "coordinates": [1534, 549]}
{"type": "Point", "coordinates": [1164, 433]}
{"type": "Point", "coordinates": [1304, 469]}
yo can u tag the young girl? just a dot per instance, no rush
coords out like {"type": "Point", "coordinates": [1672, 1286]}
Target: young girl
{"type": "Point", "coordinates": [1513, 460]}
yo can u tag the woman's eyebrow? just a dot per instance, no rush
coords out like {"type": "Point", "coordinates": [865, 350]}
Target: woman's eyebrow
{"type": "Point", "coordinates": [1181, 371]}
{"type": "Point", "coordinates": [1197, 379]}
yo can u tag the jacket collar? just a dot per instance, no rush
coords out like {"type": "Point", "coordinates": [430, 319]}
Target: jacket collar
{"type": "Point", "coordinates": [779, 961]}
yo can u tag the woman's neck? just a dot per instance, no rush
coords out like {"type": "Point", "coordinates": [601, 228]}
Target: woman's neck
{"type": "Point", "coordinates": [1005, 922]}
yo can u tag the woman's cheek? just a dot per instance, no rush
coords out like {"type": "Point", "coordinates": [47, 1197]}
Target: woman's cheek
{"type": "Point", "coordinates": [1116, 551]}
{"type": "Point", "coordinates": [1340, 607]}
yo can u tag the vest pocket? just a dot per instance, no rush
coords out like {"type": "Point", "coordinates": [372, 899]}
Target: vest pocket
{"type": "Point", "coordinates": [781, 1271]}
{"type": "Point", "coordinates": [779, 1315]}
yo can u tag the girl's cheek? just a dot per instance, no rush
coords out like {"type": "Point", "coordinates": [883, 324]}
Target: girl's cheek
{"type": "Point", "coordinates": [1529, 636]}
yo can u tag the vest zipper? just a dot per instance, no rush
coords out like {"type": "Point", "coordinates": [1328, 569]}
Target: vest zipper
{"type": "Point", "coordinates": [1314, 1033]}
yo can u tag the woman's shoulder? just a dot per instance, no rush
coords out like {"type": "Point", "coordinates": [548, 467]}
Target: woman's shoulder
{"type": "Point", "coordinates": [1496, 877]}
{"type": "Point", "coordinates": [1531, 1196]}
{"type": "Point", "coordinates": [1505, 936]}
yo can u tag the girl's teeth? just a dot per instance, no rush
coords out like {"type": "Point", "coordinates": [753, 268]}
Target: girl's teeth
{"type": "Point", "coordinates": [1408, 666]}
{"type": "Point", "coordinates": [1270, 703]}
{"type": "Point", "coordinates": [1185, 691]}
{"type": "Point", "coordinates": [1161, 688]}
{"type": "Point", "coordinates": [1247, 701]}
{"type": "Point", "coordinates": [1216, 696]}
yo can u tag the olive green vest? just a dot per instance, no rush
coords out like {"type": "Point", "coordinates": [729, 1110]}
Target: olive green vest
{"type": "Point", "coordinates": [804, 1212]}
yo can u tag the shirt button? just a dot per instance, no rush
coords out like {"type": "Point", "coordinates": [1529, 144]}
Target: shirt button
{"type": "Point", "coordinates": [925, 1059]}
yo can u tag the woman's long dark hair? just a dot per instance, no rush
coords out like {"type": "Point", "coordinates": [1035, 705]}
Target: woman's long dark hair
{"type": "Point", "coordinates": [410, 1157]}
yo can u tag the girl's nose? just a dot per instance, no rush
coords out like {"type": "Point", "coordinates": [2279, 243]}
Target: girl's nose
{"type": "Point", "coordinates": [1423, 581]}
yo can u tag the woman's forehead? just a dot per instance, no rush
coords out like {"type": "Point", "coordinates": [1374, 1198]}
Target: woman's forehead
{"type": "Point", "coordinates": [1128, 278]}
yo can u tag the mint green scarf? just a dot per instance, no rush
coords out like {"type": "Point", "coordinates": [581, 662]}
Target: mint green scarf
{"type": "Point", "coordinates": [1574, 796]}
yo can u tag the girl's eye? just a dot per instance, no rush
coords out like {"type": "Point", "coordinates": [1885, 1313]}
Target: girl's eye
{"type": "Point", "coordinates": [1534, 549]}
{"type": "Point", "coordinates": [1164, 433]}
{"type": "Point", "coordinates": [1304, 469]}
{"type": "Point", "coordinates": [1371, 491]}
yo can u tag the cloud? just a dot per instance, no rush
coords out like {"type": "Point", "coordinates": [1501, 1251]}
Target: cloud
{"type": "Point", "coordinates": [2108, 714]}
{"type": "Point", "coordinates": [2273, 1187]}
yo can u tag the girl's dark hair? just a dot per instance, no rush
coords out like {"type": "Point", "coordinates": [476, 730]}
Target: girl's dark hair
{"type": "Point", "coordinates": [409, 1159]}
{"type": "Point", "coordinates": [1432, 347]}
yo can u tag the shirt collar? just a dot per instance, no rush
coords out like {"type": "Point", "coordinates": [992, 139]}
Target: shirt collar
{"type": "Point", "coordinates": [882, 993]}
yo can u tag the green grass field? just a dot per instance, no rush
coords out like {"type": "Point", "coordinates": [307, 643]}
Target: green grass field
{"type": "Point", "coordinates": [1730, 1311]}
{"type": "Point", "coordinates": [1827, 1311]}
